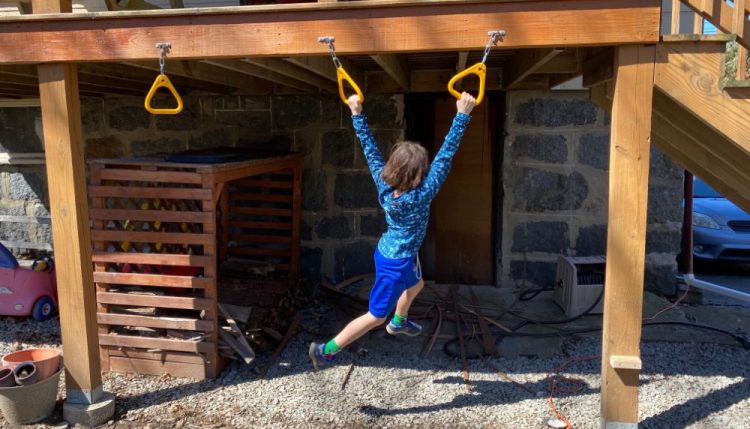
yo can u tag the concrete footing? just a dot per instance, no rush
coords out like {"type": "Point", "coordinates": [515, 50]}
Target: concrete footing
{"type": "Point", "coordinates": [90, 415]}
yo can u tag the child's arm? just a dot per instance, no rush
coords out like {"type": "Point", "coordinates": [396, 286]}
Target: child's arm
{"type": "Point", "coordinates": [369, 146]}
{"type": "Point", "coordinates": [441, 165]}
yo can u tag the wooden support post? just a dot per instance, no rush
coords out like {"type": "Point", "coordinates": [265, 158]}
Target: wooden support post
{"type": "Point", "coordinates": [66, 178]}
{"type": "Point", "coordinates": [738, 25]}
{"type": "Point", "coordinates": [628, 200]}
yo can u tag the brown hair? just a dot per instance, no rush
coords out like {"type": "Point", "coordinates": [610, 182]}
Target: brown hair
{"type": "Point", "coordinates": [406, 167]}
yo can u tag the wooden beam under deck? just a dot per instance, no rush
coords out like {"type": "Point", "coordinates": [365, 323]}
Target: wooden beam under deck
{"type": "Point", "coordinates": [364, 27]}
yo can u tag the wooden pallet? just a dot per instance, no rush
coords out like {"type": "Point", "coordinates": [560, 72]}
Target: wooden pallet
{"type": "Point", "coordinates": [158, 232]}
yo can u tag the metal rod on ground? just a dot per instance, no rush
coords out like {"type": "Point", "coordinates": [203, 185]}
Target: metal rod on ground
{"type": "Point", "coordinates": [460, 334]}
{"type": "Point", "coordinates": [282, 345]}
{"type": "Point", "coordinates": [691, 281]}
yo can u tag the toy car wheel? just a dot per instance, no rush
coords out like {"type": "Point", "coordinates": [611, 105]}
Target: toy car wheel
{"type": "Point", "coordinates": [43, 263]}
{"type": "Point", "coordinates": [43, 309]}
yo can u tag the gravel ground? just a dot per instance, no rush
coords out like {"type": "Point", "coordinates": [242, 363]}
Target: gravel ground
{"type": "Point", "coordinates": [682, 385]}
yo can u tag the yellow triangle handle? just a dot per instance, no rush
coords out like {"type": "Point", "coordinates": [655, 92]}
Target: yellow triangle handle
{"type": "Point", "coordinates": [478, 69]}
{"type": "Point", "coordinates": [341, 76]}
{"type": "Point", "coordinates": [162, 81]}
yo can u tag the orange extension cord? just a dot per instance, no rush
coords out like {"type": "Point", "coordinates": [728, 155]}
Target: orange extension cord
{"type": "Point", "coordinates": [554, 381]}
{"type": "Point", "coordinates": [578, 384]}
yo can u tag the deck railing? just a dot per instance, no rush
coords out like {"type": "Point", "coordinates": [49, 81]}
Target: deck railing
{"type": "Point", "coordinates": [728, 17]}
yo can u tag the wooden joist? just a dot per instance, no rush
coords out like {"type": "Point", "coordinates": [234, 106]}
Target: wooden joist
{"type": "Point", "coordinates": [396, 67]}
{"type": "Point", "coordinates": [365, 27]}
{"type": "Point", "coordinates": [599, 68]}
{"type": "Point", "coordinates": [526, 63]}
{"type": "Point", "coordinates": [263, 73]}
{"type": "Point", "coordinates": [294, 72]}
{"type": "Point", "coordinates": [205, 72]}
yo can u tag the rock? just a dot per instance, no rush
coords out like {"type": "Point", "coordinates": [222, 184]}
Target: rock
{"type": "Point", "coordinates": [550, 237]}
{"type": "Point", "coordinates": [540, 147]}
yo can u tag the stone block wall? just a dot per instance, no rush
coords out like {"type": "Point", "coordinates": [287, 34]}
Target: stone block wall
{"type": "Point", "coordinates": [341, 220]}
{"type": "Point", "coordinates": [554, 173]}
{"type": "Point", "coordinates": [555, 178]}
{"type": "Point", "coordinates": [23, 188]}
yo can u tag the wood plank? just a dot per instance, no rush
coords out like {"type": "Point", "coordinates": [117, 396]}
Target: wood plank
{"type": "Point", "coordinates": [566, 62]}
{"type": "Point", "coordinates": [261, 211]}
{"type": "Point", "coordinates": [155, 367]}
{"type": "Point", "coordinates": [150, 192]}
{"type": "Point", "coordinates": [599, 68]}
{"type": "Point", "coordinates": [175, 357]}
{"type": "Point", "coordinates": [248, 251]}
{"type": "Point", "coordinates": [140, 74]}
{"type": "Point", "coordinates": [721, 15]}
{"type": "Point", "coordinates": [66, 183]}
{"type": "Point", "coordinates": [263, 183]}
{"type": "Point", "coordinates": [364, 27]}
{"type": "Point", "coordinates": [246, 349]}
{"type": "Point", "coordinates": [262, 73]}
{"type": "Point", "coordinates": [150, 258]}
{"type": "Point", "coordinates": [320, 65]}
{"type": "Point", "coordinates": [154, 343]}
{"type": "Point", "coordinates": [626, 236]}
{"type": "Point", "coordinates": [151, 176]}
{"type": "Point", "coordinates": [527, 62]}
{"type": "Point", "coordinates": [153, 237]}
{"type": "Point", "coordinates": [160, 280]}
{"type": "Point", "coordinates": [154, 322]}
{"type": "Point", "coordinates": [211, 270]}
{"type": "Point", "coordinates": [701, 150]}
{"type": "Point", "coordinates": [254, 196]}
{"type": "Point", "coordinates": [430, 81]}
{"type": "Point", "coordinates": [247, 354]}
{"type": "Point", "coordinates": [291, 71]}
{"type": "Point", "coordinates": [153, 301]}
{"type": "Point", "coordinates": [396, 67]}
{"type": "Point", "coordinates": [260, 225]}
{"type": "Point", "coordinates": [258, 238]}
{"type": "Point", "coordinates": [296, 218]}
{"type": "Point", "coordinates": [690, 73]}
{"type": "Point", "coordinates": [675, 21]}
{"type": "Point", "coordinates": [150, 215]}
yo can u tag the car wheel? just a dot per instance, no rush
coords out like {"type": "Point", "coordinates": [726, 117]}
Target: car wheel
{"type": "Point", "coordinates": [43, 309]}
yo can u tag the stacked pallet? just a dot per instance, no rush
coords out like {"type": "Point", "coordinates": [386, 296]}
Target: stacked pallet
{"type": "Point", "coordinates": [158, 231]}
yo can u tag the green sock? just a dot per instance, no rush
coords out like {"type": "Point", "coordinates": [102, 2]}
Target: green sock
{"type": "Point", "coordinates": [331, 348]}
{"type": "Point", "coordinates": [399, 320]}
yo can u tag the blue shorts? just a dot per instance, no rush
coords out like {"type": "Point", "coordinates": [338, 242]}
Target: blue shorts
{"type": "Point", "coordinates": [392, 278]}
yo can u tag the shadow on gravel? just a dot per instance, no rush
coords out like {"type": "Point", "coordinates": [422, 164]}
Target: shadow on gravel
{"type": "Point", "coordinates": [483, 393]}
{"type": "Point", "coordinates": [695, 410]}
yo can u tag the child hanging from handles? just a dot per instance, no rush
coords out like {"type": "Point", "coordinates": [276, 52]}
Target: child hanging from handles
{"type": "Point", "coordinates": [406, 186]}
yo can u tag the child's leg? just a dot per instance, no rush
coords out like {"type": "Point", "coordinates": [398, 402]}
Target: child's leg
{"type": "Point", "coordinates": [356, 328]}
{"type": "Point", "coordinates": [407, 298]}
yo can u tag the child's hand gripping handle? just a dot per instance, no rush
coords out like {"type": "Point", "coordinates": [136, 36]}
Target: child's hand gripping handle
{"type": "Point", "coordinates": [341, 76]}
{"type": "Point", "coordinates": [479, 69]}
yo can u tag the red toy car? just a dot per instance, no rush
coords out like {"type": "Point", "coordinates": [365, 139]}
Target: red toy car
{"type": "Point", "coordinates": [27, 292]}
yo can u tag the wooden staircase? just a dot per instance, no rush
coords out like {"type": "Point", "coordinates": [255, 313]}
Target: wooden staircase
{"type": "Point", "coordinates": [701, 115]}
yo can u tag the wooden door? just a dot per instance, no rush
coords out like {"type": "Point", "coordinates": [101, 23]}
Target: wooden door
{"type": "Point", "coordinates": [459, 246]}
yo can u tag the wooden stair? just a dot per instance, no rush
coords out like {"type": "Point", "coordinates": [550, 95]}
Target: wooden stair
{"type": "Point", "coordinates": [697, 121]}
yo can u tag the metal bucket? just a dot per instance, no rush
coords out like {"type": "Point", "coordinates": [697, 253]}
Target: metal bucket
{"type": "Point", "coordinates": [29, 404]}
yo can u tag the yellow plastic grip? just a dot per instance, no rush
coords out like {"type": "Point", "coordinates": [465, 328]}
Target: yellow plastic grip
{"type": "Point", "coordinates": [478, 69]}
{"type": "Point", "coordinates": [162, 81]}
{"type": "Point", "coordinates": [341, 76]}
